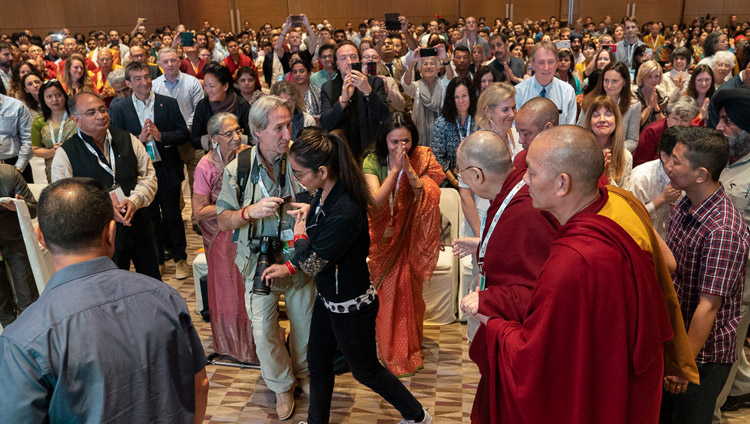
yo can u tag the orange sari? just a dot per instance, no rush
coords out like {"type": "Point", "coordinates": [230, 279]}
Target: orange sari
{"type": "Point", "coordinates": [400, 265]}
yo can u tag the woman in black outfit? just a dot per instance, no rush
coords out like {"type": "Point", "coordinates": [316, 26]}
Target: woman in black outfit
{"type": "Point", "coordinates": [220, 97]}
{"type": "Point", "coordinates": [331, 242]}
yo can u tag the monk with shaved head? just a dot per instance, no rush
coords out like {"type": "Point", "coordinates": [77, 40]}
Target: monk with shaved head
{"type": "Point", "coordinates": [514, 244]}
{"type": "Point", "coordinates": [535, 116]}
{"type": "Point", "coordinates": [589, 347]}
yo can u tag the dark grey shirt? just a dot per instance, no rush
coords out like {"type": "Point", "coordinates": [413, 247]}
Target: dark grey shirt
{"type": "Point", "coordinates": [101, 345]}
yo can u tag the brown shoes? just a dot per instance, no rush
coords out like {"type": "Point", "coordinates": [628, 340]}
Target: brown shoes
{"type": "Point", "coordinates": [285, 404]}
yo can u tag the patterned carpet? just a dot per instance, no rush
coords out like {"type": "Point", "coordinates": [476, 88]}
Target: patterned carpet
{"type": "Point", "coordinates": [445, 386]}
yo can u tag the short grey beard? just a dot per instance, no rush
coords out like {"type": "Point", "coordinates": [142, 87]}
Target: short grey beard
{"type": "Point", "coordinates": [739, 143]}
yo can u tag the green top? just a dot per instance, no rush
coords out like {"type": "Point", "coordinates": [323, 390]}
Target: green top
{"type": "Point", "coordinates": [372, 165]}
{"type": "Point", "coordinates": [40, 132]}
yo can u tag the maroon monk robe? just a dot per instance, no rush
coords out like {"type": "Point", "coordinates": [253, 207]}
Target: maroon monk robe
{"type": "Point", "coordinates": [515, 255]}
{"type": "Point", "coordinates": [590, 346]}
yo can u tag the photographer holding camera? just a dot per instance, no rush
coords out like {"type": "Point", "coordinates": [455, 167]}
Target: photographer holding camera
{"type": "Point", "coordinates": [253, 203]}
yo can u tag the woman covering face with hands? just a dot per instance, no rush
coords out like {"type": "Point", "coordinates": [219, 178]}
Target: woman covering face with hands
{"type": "Point", "coordinates": [404, 179]}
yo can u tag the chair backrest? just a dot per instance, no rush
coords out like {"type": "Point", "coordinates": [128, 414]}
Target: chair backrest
{"type": "Point", "coordinates": [450, 207]}
{"type": "Point", "coordinates": [36, 190]}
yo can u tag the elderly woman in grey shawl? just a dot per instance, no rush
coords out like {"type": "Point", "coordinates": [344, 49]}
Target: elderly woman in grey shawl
{"type": "Point", "coordinates": [429, 91]}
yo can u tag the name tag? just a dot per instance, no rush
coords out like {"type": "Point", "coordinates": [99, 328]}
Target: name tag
{"type": "Point", "coordinates": [116, 194]}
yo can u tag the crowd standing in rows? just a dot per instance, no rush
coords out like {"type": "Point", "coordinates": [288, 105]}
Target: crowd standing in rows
{"type": "Point", "coordinates": [603, 170]}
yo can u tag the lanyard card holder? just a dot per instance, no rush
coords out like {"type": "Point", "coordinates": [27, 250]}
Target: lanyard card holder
{"type": "Point", "coordinates": [152, 151]}
{"type": "Point", "coordinates": [116, 194]}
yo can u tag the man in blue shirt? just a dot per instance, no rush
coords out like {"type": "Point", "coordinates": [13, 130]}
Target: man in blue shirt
{"type": "Point", "coordinates": [100, 344]}
{"type": "Point", "coordinates": [544, 84]}
{"type": "Point", "coordinates": [15, 136]}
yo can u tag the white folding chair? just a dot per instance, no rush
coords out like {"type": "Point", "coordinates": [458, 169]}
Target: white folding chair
{"type": "Point", "coordinates": [441, 290]}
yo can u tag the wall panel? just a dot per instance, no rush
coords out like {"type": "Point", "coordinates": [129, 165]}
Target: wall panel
{"type": "Point", "coordinates": [338, 12]}
{"type": "Point", "coordinates": [259, 12]}
{"type": "Point", "coordinates": [192, 13]}
{"type": "Point", "coordinates": [598, 9]}
{"type": "Point", "coordinates": [41, 16]}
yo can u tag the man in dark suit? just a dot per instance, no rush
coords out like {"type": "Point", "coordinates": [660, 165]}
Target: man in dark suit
{"type": "Point", "coordinates": [352, 101]}
{"type": "Point", "coordinates": [157, 122]}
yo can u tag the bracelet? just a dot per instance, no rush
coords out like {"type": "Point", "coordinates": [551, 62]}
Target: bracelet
{"type": "Point", "coordinates": [290, 267]}
{"type": "Point", "coordinates": [299, 237]}
{"type": "Point", "coordinates": [242, 215]}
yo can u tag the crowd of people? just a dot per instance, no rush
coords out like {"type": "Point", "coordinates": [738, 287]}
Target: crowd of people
{"type": "Point", "coordinates": [604, 176]}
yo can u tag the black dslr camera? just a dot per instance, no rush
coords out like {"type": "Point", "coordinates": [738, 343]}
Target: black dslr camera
{"type": "Point", "coordinates": [266, 247]}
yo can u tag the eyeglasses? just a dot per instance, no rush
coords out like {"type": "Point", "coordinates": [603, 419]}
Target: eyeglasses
{"type": "Point", "coordinates": [299, 175]}
{"type": "Point", "coordinates": [92, 112]}
{"type": "Point", "coordinates": [458, 173]}
{"type": "Point", "coordinates": [230, 134]}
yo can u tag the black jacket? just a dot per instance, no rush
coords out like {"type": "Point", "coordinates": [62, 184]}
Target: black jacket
{"type": "Point", "coordinates": [362, 116]}
{"type": "Point", "coordinates": [203, 114]}
{"type": "Point", "coordinates": [12, 183]}
{"type": "Point", "coordinates": [168, 119]}
{"type": "Point", "coordinates": [336, 254]}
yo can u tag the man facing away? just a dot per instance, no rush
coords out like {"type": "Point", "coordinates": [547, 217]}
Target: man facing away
{"type": "Point", "coordinates": [100, 344]}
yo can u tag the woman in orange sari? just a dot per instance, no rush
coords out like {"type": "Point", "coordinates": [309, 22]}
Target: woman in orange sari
{"type": "Point", "coordinates": [404, 178]}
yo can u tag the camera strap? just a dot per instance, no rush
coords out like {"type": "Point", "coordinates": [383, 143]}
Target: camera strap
{"type": "Point", "coordinates": [249, 169]}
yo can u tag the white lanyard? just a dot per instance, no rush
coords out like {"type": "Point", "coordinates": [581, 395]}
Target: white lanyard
{"type": "Point", "coordinates": [468, 127]}
{"type": "Point", "coordinates": [393, 197]}
{"type": "Point", "coordinates": [59, 132]}
{"type": "Point", "coordinates": [508, 198]}
{"type": "Point", "coordinates": [260, 179]}
{"type": "Point", "coordinates": [106, 167]}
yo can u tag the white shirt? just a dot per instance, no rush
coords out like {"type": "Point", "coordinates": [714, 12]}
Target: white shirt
{"type": "Point", "coordinates": [144, 110]}
{"type": "Point", "coordinates": [647, 181]}
{"type": "Point", "coordinates": [561, 94]}
{"type": "Point", "coordinates": [736, 181]}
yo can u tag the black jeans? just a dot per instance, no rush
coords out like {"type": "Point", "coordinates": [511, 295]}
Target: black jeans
{"type": "Point", "coordinates": [167, 217]}
{"type": "Point", "coordinates": [14, 253]}
{"type": "Point", "coordinates": [355, 335]}
{"type": "Point", "coordinates": [144, 257]}
{"type": "Point", "coordinates": [696, 405]}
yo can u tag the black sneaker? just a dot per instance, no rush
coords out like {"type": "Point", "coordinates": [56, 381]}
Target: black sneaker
{"type": "Point", "coordinates": [734, 403]}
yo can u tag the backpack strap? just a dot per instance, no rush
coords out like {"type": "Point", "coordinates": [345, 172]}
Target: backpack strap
{"type": "Point", "coordinates": [244, 164]}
